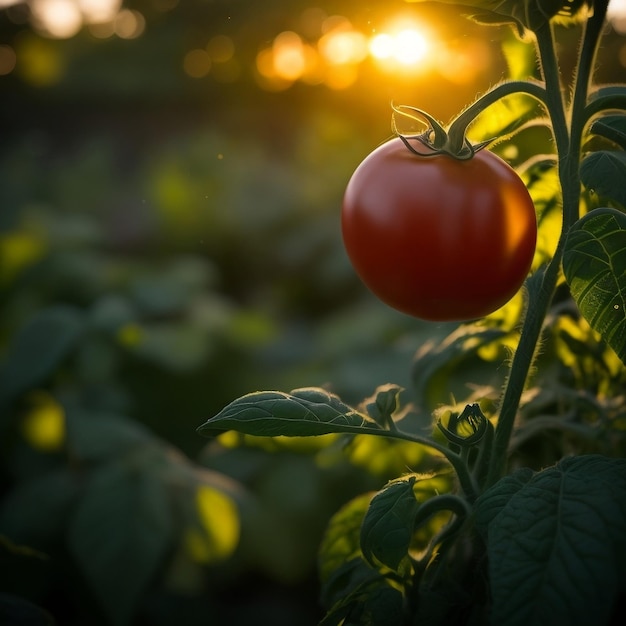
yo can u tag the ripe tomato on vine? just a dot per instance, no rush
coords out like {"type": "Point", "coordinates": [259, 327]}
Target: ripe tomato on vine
{"type": "Point", "coordinates": [437, 237]}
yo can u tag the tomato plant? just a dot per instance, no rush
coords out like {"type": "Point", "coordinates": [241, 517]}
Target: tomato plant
{"type": "Point", "coordinates": [530, 530]}
{"type": "Point", "coordinates": [438, 237]}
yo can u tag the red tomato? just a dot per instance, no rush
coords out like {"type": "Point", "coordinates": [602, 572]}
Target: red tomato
{"type": "Point", "coordinates": [436, 237]}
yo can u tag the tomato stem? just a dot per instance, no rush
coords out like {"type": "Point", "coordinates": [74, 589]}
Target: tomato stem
{"type": "Point", "coordinates": [568, 132]}
{"type": "Point", "coordinates": [457, 129]}
{"type": "Point", "coordinates": [454, 142]}
{"type": "Point", "coordinates": [458, 463]}
{"type": "Point", "coordinates": [579, 109]}
{"type": "Point", "coordinates": [466, 480]}
{"type": "Point", "coordinates": [593, 31]}
{"type": "Point", "coordinates": [538, 298]}
{"type": "Point", "coordinates": [537, 308]}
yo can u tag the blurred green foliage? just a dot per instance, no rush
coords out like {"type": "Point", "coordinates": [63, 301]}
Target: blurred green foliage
{"type": "Point", "coordinates": [164, 247]}
{"type": "Point", "coordinates": [134, 305]}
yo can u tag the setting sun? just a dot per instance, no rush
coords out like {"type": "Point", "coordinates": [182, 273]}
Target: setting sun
{"type": "Point", "coordinates": [401, 45]}
{"type": "Point", "coordinates": [406, 47]}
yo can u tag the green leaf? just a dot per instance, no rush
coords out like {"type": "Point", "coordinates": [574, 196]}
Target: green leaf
{"type": "Point", "coordinates": [556, 543]}
{"type": "Point", "coordinates": [303, 412]}
{"type": "Point", "coordinates": [375, 604]}
{"type": "Point", "coordinates": [52, 495]}
{"type": "Point", "coordinates": [388, 525]}
{"type": "Point", "coordinates": [492, 502]}
{"type": "Point", "coordinates": [604, 173]}
{"type": "Point", "coordinates": [521, 59]}
{"type": "Point", "coordinates": [384, 404]}
{"type": "Point", "coordinates": [348, 578]}
{"type": "Point", "coordinates": [382, 605]}
{"type": "Point", "coordinates": [612, 127]}
{"type": "Point", "coordinates": [338, 613]}
{"type": "Point", "coordinates": [178, 347]}
{"type": "Point", "coordinates": [441, 363]}
{"type": "Point", "coordinates": [38, 348]}
{"type": "Point", "coordinates": [594, 264]}
{"type": "Point", "coordinates": [119, 534]}
{"type": "Point", "coordinates": [99, 436]}
{"type": "Point", "coordinates": [343, 572]}
{"type": "Point", "coordinates": [606, 98]}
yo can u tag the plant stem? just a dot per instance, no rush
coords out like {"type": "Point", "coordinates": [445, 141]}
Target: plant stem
{"type": "Point", "coordinates": [570, 180]}
{"type": "Point", "coordinates": [568, 138]}
{"type": "Point", "coordinates": [458, 127]}
{"type": "Point", "coordinates": [459, 464]}
{"type": "Point", "coordinates": [554, 93]}
{"type": "Point", "coordinates": [586, 64]}
{"type": "Point", "coordinates": [539, 297]}
{"type": "Point", "coordinates": [538, 304]}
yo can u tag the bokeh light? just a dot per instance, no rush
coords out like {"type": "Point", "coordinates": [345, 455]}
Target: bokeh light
{"type": "Point", "coordinates": [129, 24]}
{"type": "Point", "coordinates": [289, 57]}
{"type": "Point", "coordinates": [63, 19]}
{"type": "Point", "coordinates": [57, 18]}
{"type": "Point", "coordinates": [343, 46]}
{"type": "Point", "coordinates": [331, 51]}
{"type": "Point", "coordinates": [197, 63]}
{"type": "Point", "coordinates": [463, 64]}
{"type": "Point", "coordinates": [317, 49]}
{"type": "Point", "coordinates": [220, 48]}
{"type": "Point", "coordinates": [96, 11]}
{"type": "Point", "coordinates": [7, 60]}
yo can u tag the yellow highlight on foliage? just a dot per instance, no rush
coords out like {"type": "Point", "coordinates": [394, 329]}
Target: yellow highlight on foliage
{"type": "Point", "coordinates": [508, 318]}
{"type": "Point", "coordinates": [43, 426]}
{"type": "Point", "coordinates": [217, 535]}
{"type": "Point", "coordinates": [17, 252]}
{"type": "Point", "coordinates": [613, 363]}
{"type": "Point", "coordinates": [39, 62]}
{"type": "Point", "coordinates": [230, 439]}
{"type": "Point", "coordinates": [130, 335]}
{"type": "Point", "coordinates": [580, 331]}
{"type": "Point", "coordinates": [383, 457]}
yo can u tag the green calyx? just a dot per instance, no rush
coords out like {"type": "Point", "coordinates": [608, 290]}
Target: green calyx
{"type": "Point", "coordinates": [435, 139]}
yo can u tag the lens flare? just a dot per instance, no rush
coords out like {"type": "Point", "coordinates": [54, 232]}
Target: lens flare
{"type": "Point", "coordinates": [401, 46]}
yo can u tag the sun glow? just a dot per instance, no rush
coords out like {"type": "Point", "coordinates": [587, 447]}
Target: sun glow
{"type": "Point", "coordinates": [334, 49]}
{"type": "Point", "coordinates": [402, 45]}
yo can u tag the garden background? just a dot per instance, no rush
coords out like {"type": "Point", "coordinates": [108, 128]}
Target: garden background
{"type": "Point", "coordinates": [171, 176]}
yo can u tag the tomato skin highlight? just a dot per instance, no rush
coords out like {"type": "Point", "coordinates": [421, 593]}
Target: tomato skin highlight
{"type": "Point", "coordinates": [435, 237]}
